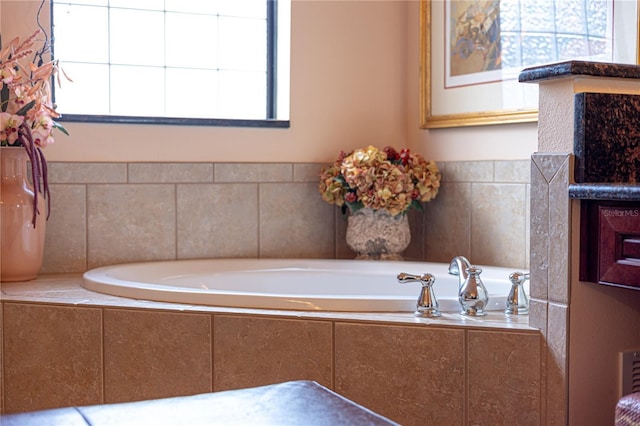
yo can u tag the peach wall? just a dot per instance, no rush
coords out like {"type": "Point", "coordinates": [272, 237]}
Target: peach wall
{"type": "Point", "coordinates": [354, 81]}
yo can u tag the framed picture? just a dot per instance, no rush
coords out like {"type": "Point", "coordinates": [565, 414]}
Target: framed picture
{"type": "Point", "coordinates": [473, 51]}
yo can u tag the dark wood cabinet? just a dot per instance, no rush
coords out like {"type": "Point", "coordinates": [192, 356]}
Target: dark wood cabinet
{"type": "Point", "coordinates": [610, 243]}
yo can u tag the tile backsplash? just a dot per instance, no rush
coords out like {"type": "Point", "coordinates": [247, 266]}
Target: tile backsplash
{"type": "Point", "coordinates": [107, 213]}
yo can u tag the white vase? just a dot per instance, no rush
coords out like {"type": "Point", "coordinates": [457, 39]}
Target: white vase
{"type": "Point", "coordinates": [376, 235]}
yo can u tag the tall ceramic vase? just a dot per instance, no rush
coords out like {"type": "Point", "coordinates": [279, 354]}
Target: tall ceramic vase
{"type": "Point", "coordinates": [21, 243]}
{"type": "Point", "coordinates": [376, 235]}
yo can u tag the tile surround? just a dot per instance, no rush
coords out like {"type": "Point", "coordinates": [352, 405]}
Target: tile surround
{"type": "Point", "coordinates": [1, 358]}
{"type": "Point", "coordinates": [493, 223]}
{"type": "Point", "coordinates": [398, 364]}
{"type": "Point", "coordinates": [231, 225]}
{"type": "Point", "coordinates": [170, 173]}
{"type": "Point", "coordinates": [499, 388]}
{"type": "Point", "coordinates": [253, 351]}
{"type": "Point", "coordinates": [550, 228]}
{"type": "Point", "coordinates": [435, 357]}
{"type": "Point", "coordinates": [150, 355]}
{"type": "Point", "coordinates": [293, 224]}
{"type": "Point", "coordinates": [105, 213]}
{"type": "Point", "coordinates": [447, 222]}
{"type": "Point", "coordinates": [41, 372]}
{"type": "Point", "coordinates": [129, 223]}
{"type": "Point", "coordinates": [68, 229]}
{"type": "Point", "coordinates": [112, 213]}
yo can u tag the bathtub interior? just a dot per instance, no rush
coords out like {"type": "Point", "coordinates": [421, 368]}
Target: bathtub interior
{"type": "Point", "coordinates": [299, 284]}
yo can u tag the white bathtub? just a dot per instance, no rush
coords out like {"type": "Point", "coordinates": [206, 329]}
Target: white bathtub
{"type": "Point", "coordinates": [298, 284]}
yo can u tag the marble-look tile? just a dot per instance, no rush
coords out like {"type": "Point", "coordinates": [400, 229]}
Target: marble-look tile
{"type": "Point", "coordinates": [217, 220]}
{"type": "Point", "coordinates": [538, 315]}
{"type": "Point", "coordinates": [416, 245]}
{"type": "Point", "coordinates": [294, 221]}
{"type": "Point", "coordinates": [342, 249]}
{"type": "Point", "coordinates": [412, 375]}
{"type": "Point", "coordinates": [539, 233]}
{"type": "Point", "coordinates": [514, 171]}
{"type": "Point", "coordinates": [170, 172]}
{"type": "Point", "coordinates": [128, 223]}
{"type": "Point", "coordinates": [252, 351]}
{"type": "Point", "coordinates": [469, 171]}
{"type": "Point", "coordinates": [65, 289]}
{"type": "Point", "coordinates": [256, 173]}
{"type": "Point", "coordinates": [498, 224]}
{"type": "Point", "coordinates": [527, 242]}
{"type": "Point", "coordinates": [504, 377]}
{"type": "Point", "coordinates": [548, 164]}
{"type": "Point", "coordinates": [52, 358]}
{"type": "Point", "coordinates": [557, 358]}
{"type": "Point", "coordinates": [87, 172]}
{"type": "Point", "coordinates": [307, 172]}
{"type": "Point", "coordinates": [559, 235]}
{"type": "Point", "coordinates": [447, 223]}
{"type": "Point", "coordinates": [1, 358]}
{"type": "Point", "coordinates": [155, 354]}
{"type": "Point", "coordinates": [65, 248]}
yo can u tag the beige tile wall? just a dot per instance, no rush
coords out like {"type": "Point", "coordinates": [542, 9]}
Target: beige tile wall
{"type": "Point", "coordinates": [106, 213]}
{"type": "Point", "coordinates": [53, 355]}
{"type": "Point", "coordinates": [1, 360]}
{"type": "Point", "coordinates": [260, 351]}
{"type": "Point", "coordinates": [155, 354]}
{"type": "Point", "coordinates": [550, 264]}
{"type": "Point", "coordinates": [415, 374]}
{"type": "Point", "coordinates": [372, 359]}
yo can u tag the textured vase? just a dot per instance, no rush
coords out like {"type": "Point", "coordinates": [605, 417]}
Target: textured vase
{"type": "Point", "coordinates": [21, 244]}
{"type": "Point", "coordinates": [376, 235]}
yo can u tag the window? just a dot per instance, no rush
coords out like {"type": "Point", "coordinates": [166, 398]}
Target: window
{"type": "Point", "coordinates": [173, 61]}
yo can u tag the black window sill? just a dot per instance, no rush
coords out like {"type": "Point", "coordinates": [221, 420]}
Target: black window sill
{"type": "Point", "coordinates": [174, 121]}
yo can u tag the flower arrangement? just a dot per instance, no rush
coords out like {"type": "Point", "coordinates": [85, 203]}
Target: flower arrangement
{"type": "Point", "coordinates": [379, 179]}
{"type": "Point", "coordinates": [27, 112]}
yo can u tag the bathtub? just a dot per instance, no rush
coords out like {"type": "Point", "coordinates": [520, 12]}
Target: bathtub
{"type": "Point", "coordinates": [290, 284]}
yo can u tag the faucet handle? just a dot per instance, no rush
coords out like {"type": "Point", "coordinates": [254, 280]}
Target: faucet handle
{"type": "Point", "coordinates": [518, 277]}
{"type": "Point", "coordinates": [517, 301]}
{"type": "Point", "coordinates": [427, 305]}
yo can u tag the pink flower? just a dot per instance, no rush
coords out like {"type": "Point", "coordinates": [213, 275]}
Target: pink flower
{"type": "Point", "coordinates": [26, 89]}
{"type": "Point", "coordinates": [42, 137]}
{"type": "Point", "coordinates": [9, 124]}
{"type": "Point", "coordinates": [7, 75]}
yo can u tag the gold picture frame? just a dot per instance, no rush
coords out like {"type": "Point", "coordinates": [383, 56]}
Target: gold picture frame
{"type": "Point", "coordinates": [433, 117]}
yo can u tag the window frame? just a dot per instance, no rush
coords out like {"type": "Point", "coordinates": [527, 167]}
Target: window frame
{"type": "Point", "coordinates": [271, 83]}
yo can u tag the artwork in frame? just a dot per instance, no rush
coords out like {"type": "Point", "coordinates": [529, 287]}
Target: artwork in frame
{"type": "Point", "coordinates": [473, 51]}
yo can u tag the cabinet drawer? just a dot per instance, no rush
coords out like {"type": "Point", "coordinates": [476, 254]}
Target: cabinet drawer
{"type": "Point", "coordinates": [610, 243]}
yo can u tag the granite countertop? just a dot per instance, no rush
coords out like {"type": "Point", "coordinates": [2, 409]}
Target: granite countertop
{"type": "Point", "coordinates": [585, 68]}
{"type": "Point", "coordinates": [607, 164]}
{"type": "Point", "coordinates": [605, 191]}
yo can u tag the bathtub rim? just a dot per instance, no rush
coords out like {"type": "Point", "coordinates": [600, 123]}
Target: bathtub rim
{"type": "Point", "coordinates": [100, 280]}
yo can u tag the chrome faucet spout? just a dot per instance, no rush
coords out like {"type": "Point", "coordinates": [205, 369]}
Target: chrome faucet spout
{"type": "Point", "coordinates": [458, 267]}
